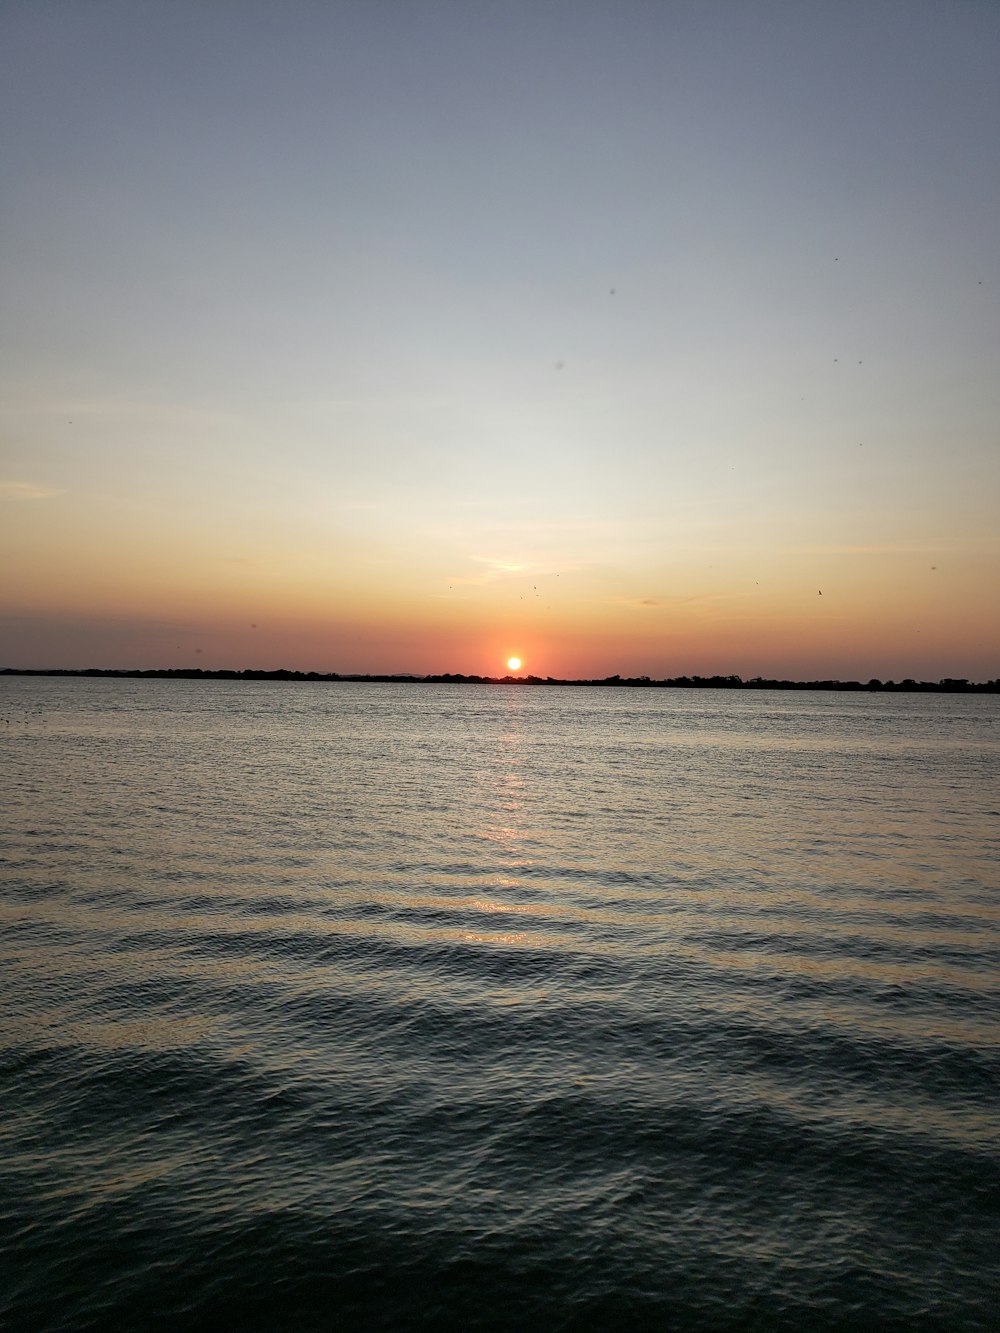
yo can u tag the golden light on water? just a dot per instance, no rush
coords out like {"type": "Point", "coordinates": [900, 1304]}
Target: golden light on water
{"type": "Point", "coordinates": [514, 663]}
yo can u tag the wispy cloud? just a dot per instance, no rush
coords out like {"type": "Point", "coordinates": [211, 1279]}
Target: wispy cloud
{"type": "Point", "coordinates": [889, 548]}
{"type": "Point", "coordinates": [647, 602]}
{"type": "Point", "coordinates": [26, 490]}
{"type": "Point", "coordinates": [498, 568]}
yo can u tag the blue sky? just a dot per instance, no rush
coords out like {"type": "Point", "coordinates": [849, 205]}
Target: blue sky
{"type": "Point", "coordinates": [354, 320]}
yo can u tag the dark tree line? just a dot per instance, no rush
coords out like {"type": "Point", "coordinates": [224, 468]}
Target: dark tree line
{"type": "Point", "coordinates": [947, 685]}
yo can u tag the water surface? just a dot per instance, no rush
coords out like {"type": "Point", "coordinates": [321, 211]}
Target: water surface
{"type": "Point", "coordinates": [388, 1006]}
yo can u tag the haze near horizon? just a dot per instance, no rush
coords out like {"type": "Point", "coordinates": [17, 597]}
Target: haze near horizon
{"type": "Point", "coordinates": [653, 339]}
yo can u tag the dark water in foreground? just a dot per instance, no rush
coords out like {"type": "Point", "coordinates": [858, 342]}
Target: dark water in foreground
{"type": "Point", "coordinates": [389, 1007]}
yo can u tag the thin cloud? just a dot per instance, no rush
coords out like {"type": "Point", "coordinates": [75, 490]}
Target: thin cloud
{"type": "Point", "coordinates": [19, 491]}
{"type": "Point", "coordinates": [682, 601]}
{"type": "Point", "coordinates": [901, 548]}
{"type": "Point", "coordinates": [498, 568]}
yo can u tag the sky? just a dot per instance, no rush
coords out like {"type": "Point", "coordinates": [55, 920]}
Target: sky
{"type": "Point", "coordinates": [640, 337]}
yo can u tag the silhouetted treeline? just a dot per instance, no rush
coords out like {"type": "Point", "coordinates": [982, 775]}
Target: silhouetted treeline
{"type": "Point", "coordinates": [947, 685]}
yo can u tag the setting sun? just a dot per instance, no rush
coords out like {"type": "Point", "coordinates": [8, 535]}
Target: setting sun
{"type": "Point", "coordinates": [514, 663]}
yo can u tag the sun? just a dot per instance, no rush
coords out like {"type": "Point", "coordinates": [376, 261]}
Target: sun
{"type": "Point", "coordinates": [514, 663]}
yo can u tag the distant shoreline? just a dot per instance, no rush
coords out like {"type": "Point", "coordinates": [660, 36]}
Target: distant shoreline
{"type": "Point", "coordinates": [948, 685]}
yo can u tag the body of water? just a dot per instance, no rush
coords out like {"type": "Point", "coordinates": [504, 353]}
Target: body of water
{"type": "Point", "coordinates": [441, 1007]}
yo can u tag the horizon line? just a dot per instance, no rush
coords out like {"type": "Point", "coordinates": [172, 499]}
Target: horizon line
{"type": "Point", "coordinates": [946, 684]}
